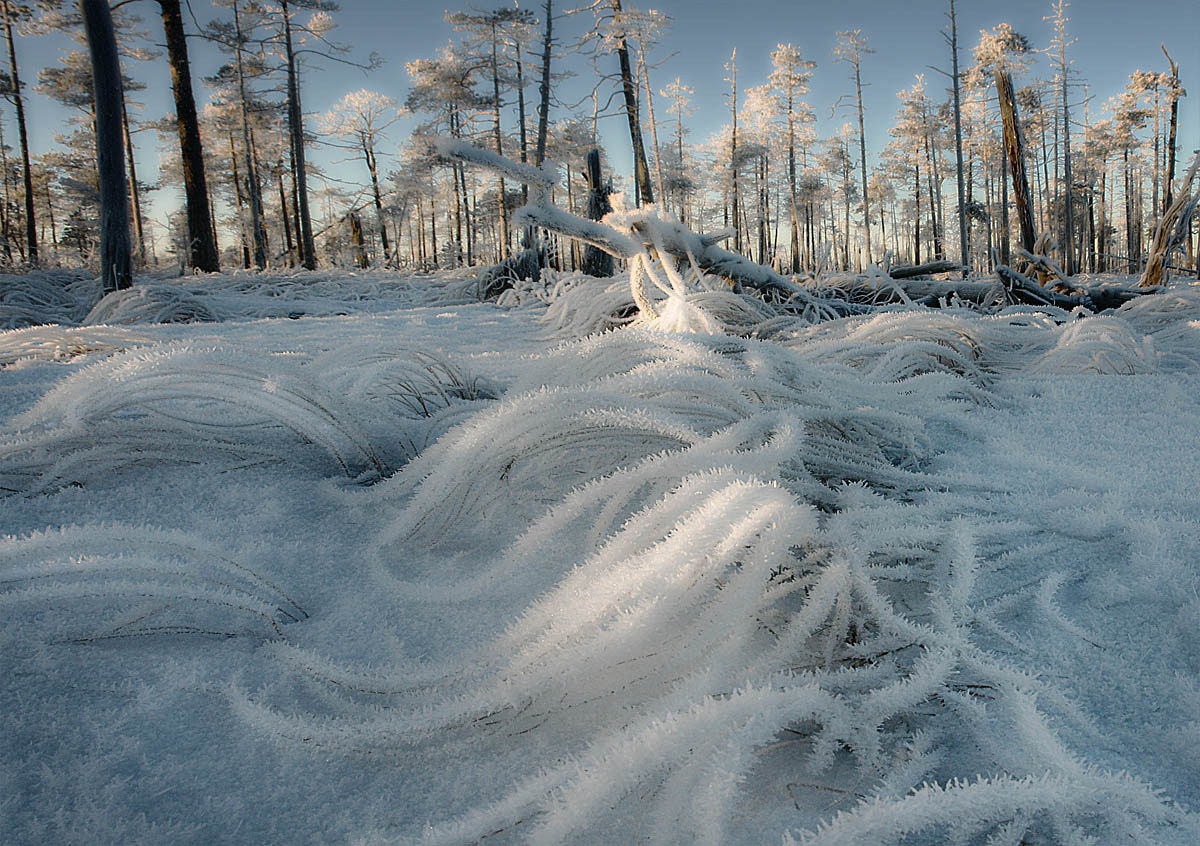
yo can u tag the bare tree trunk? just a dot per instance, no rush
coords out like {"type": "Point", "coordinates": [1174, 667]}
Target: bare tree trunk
{"type": "Point", "coordinates": [241, 203]}
{"type": "Point", "coordinates": [917, 214]}
{"type": "Point", "coordinates": [1014, 148]}
{"type": "Point", "coordinates": [733, 165]}
{"type": "Point", "coordinates": [134, 198]}
{"type": "Point", "coordinates": [202, 241]}
{"type": "Point", "coordinates": [50, 209]}
{"type": "Point", "coordinates": [502, 204]}
{"type": "Point", "coordinates": [19, 102]}
{"type": "Point", "coordinates": [596, 262]}
{"type": "Point", "coordinates": [296, 131]}
{"type": "Point", "coordinates": [640, 167]}
{"type": "Point", "coordinates": [862, 156]}
{"type": "Point", "coordinates": [544, 88]}
{"type": "Point", "coordinates": [645, 74]}
{"type": "Point", "coordinates": [253, 186]}
{"type": "Point", "coordinates": [1005, 227]}
{"type": "Point", "coordinates": [1069, 194]}
{"type": "Point", "coordinates": [369, 153]}
{"type": "Point", "coordinates": [958, 146]}
{"type": "Point", "coordinates": [356, 239]}
{"type": "Point", "coordinates": [1168, 189]}
{"type": "Point", "coordinates": [289, 247]}
{"type": "Point", "coordinates": [116, 270]}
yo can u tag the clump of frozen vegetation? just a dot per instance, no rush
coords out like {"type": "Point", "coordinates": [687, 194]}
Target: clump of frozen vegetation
{"type": "Point", "coordinates": [46, 296]}
{"type": "Point", "coordinates": [132, 581]}
{"type": "Point", "coordinates": [743, 544]}
{"type": "Point", "coordinates": [72, 298]}
{"type": "Point", "coordinates": [366, 409]}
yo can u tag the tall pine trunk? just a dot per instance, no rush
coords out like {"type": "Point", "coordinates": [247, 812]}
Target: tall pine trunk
{"type": "Point", "coordinates": [19, 103]}
{"type": "Point", "coordinates": [963, 232]}
{"type": "Point", "coordinates": [202, 241]}
{"type": "Point", "coordinates": [116, 270]}
{"type": "Point", "coordinates": [253, 186]}
{"type": "Point", "coordinates": [369, 153]}
{"type": "Point", "coordinates": [501, 200]}
{"type": "Point", "coordinates": [296, 132]}
{"type": "Point", "coordinates": [629, 90]}
{"type": "Point", "coordinates": [544, 88]}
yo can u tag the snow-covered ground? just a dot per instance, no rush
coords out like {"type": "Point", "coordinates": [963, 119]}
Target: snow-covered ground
{"type": "Point", "coordinates": [408, 568]}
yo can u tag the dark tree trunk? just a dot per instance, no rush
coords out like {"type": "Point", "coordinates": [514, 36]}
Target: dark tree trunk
{"type": "Point", "coordinates": [640, 167]}
{"type": "Point", "coordinates": [544, 88]}
{"type": "Point", "coordinates": [296, 131]}
{"type": "Point", "coordinates": [19, 103]}
{"type": "Point", "coordinates": [369, 153]}
{"type": "Point", "coordinates": [733, 168]}
{"type": "Point", "coordinates": [288, 246]}
{"type": "Point", "coordinates": [241, 203]}
{"type": "Point", "coordinates": [202, 242]}
{"type": "Point", "coordinates": [356, 238]}
{"type": "Point", "coordinates": [501, 200]}
{"type": "Point", "coordinates": [963, 231]}
{"type": "Point", "coordinates": [917, 215]}
{"type": "Point", "coordinates": [115, 260]}
{"type": "Point", "coordinates": [596, 262]}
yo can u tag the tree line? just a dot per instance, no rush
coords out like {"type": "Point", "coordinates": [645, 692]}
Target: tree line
{"type": "Point", "coordinates": [1033, 162]}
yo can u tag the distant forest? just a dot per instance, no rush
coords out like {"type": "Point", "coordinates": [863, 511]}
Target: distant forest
{"type": "Point", "coordinates": [1005, 152]}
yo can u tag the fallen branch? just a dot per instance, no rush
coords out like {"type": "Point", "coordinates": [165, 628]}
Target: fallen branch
{"type": "Point", "coordinates": [908, 271]}
{"type": "Point", "coordinates": [1024, 290]}
{"type": "Point", "coordinates": [630, 236]}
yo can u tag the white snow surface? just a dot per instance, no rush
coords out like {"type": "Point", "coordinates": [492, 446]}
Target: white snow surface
{"type": "Point", "coordinates": [412, 569]}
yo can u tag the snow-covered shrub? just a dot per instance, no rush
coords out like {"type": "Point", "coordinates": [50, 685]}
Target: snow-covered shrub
{"type": "Point", "coordinates": [46, 296]}
{"type": "Point", "coordinates": [1099, 344]}
{"type": "Point", "coordinates": [368, 409]}
{"type": "Point", "coordinates": [58, 343]}
{"type": "Point", "coordinates": [152, 304]}
{"type": "Point", "coordinates": [581, 305]}
{"type": "Point", "coordinates": [1169, 318]}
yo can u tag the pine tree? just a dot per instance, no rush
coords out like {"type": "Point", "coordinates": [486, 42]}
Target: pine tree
{"type": "Point", "coordinates": [1001, 52]}
{"type": "Point", "coordinates": [362, 117]}
{"type": "Point", "coordinates": [851, 47]}
{"type": "Point", "coordinates": [790, 78]}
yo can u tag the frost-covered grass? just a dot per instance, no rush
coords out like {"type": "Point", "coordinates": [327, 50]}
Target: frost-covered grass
{"type": "Point", "coordinates": [408, 569]}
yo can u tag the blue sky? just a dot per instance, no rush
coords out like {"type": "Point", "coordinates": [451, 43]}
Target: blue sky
{"type": "Point", "coordinates": [1115, 37]}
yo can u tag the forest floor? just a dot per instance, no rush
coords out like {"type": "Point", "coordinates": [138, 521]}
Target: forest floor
{"type": "Point", "coordinates": [358, 560]}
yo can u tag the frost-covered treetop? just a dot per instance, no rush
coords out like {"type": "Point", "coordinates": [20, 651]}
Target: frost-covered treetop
{"type": "Point", "coordinates": [1002, 49]}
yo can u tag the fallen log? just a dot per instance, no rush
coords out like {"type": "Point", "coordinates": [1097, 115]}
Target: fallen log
{"type": "Point", "coordinates": [908, 271]}
{"type": "Point", "coordinates": [1024, 290]}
